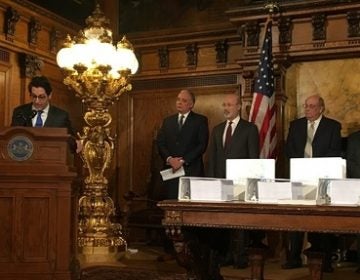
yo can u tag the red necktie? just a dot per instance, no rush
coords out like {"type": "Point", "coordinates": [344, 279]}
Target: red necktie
{"type": "Point", "coordinates": [228, 135]}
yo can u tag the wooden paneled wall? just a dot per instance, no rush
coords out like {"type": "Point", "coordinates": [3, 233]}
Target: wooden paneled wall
{"type": "Point", "coordinates": [211, 59]}
{"type": "Point", "coordinates": [29, 39]}
{"type": "Point", "coordinates": [304, 31]}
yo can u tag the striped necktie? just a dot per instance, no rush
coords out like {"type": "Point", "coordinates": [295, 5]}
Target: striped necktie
{"type": "Point", "coordinates": [309, 139]}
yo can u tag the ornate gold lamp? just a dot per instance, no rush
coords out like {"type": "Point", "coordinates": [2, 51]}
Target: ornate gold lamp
{"type": "Point", "coordinates": [99, 73]}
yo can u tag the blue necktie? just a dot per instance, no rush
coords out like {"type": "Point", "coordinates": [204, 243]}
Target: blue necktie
{"type": "Point", "coordinates": [39, 122]}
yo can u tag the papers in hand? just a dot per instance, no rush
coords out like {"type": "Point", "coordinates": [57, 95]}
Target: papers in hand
{"type": "Point", "coordinates": [168, 174]}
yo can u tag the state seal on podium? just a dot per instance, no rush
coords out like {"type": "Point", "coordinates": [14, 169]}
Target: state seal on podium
{"type": "Point", "coordinates": [20, 148]}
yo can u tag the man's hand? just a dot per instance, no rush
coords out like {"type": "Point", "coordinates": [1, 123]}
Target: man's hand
{"type": "Point", "coordinates": [175, 163]}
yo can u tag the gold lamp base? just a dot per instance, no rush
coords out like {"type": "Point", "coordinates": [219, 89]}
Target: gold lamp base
{"type": "Point", "coordinates": [90, 255]}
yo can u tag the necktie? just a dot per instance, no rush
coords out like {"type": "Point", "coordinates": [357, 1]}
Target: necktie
{"type": "Point", "coordinates": [309, 139]}
{"type": "Point", "coordinates": [228, 135]}
{"type": "Point", "coordinates": [181, 122]}
{"type": "Point", "coordinates": [39, 122]}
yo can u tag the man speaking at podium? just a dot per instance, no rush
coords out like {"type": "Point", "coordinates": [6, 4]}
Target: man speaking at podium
{"type": "Point", "coordinates": [39, 113]}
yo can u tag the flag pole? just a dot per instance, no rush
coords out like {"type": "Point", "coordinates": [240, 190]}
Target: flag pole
{"type": "Point", "coordinates": [263, 109]}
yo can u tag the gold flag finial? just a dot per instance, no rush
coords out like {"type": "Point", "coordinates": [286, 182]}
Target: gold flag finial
{"type": "Point", "coordinates": [272, 7]}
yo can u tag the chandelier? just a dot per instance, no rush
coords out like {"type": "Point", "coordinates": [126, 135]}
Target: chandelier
{"type": "Point", "coordinates": [99, 72]}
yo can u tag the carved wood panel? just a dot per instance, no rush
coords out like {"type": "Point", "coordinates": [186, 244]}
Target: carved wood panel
{"type": "Point", "coordinates": [7, 228]}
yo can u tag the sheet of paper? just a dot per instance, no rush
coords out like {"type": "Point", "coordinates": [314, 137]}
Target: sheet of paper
{"type": "Point", "coordinates": [311, 169]}
{"type": "Point", "coordinates": [168, 174]}
{"type": "Point", "coordinates": [205, 190]}
{"type": "Point", "coordinates": [239, 170]}
{"type": "Point", "coordinates": [344, 192]}
{"type": "Point", "coordinates": [273, 191]}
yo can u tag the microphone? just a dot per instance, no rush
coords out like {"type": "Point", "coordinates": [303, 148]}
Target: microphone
{"type": "Point", "coordinates": [20, 119]}
{"type": "Point", "coordinates": [33, 114]}
{"type": "Point", "coordinates": [23, 120]}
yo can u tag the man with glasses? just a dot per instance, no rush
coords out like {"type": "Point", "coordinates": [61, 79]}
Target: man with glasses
{"type": "Point", "coordinates": [39, 113]}
{"type": "Point", "coordinates": [312, 136]}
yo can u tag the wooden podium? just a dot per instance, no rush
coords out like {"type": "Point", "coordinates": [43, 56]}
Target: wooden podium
{"type": "Point", "coordinates": [35, 204]}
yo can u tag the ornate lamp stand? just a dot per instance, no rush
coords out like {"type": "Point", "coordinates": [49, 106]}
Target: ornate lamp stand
{"type": "Point", "coordinates": [99, 73]}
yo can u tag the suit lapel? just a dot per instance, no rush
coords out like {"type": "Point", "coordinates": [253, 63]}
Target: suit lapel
{"type": "Point", "coordinates": [220, 134]}
{"type": "Point", "coordinates": [236, 132]}
{"type": "Point", "coordinates": [28, 113]}
{"type": "Point", "coordinates": [319, 129]}
{"type": "Point", "coordinates": [50, 117]}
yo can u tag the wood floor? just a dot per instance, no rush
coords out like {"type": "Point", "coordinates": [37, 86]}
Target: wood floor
{"type": "Point", "coordinates": [144, 257]}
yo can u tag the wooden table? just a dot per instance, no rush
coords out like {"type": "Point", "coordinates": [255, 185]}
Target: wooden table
{"type": "Point", "coordinates": [182, 215]}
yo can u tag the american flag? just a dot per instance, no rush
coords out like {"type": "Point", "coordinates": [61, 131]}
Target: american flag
{"type": "Point", "coordinates": [262, 111]}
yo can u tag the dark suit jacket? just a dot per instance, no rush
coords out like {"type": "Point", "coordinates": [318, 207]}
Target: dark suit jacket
{"type": "Point", "coordinates": [56, 117]}
{"type": "Point", "coordinates": [353, 155]}
{"type": "Point", "coordinates": [190, 143]}
{"type": "Point", "coordinates": [244, 144]}
{"type": "Point", "coordinates": [326, 142]}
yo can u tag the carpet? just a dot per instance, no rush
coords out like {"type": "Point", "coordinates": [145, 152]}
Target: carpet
{"type": "Point", "coordinates": [119, 273]}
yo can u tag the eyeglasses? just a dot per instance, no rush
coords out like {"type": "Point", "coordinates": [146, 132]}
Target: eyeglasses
{"type": "Point", "coordinates": [310, 106]}
{"type": "Point", "coordinates": [39, 97]}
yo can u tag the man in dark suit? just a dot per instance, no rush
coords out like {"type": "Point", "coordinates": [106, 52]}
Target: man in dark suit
{"type": "Point", "coordinates": [244, 141]}
{"type": "Point", "coordinates": [234, 138]}
{"type": "Point", "coordinates": [353, 155]}
{"type": "Point", "coordinates": [40, 113]}
{"type": "Point", "coordinates": [326, 142]}
{"type": "Point", "coordinates": [182, 141]}
{"type": "Point", "coordinates": [353, 171]}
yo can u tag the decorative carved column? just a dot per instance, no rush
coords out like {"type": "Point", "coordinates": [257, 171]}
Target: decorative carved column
{"type": "Point", "coordinates": [54, 36]}
{"type": "Point", "coordinates": [34, 28]}
{"type": "Point", "coordinates": [285, 32]}
{"type": "Point", "coordinates": [11, 18]}
{"type": "Point", "coordinates": [252, 30]}
{"type": "Point", "coordinates": [221, 48]}
{"type": "Point", "coordinates": [353, 19]}
{"type": "Point", "coordinates": [30, 65]}
{"type": "Point", "coordinates": [191, 54]}
{"type": "Point", "coordinates": [319, 30]}
{"type": "Point", "coordinates": [247, 93]}
{"type": "Point", "coordinates": [163, 58]}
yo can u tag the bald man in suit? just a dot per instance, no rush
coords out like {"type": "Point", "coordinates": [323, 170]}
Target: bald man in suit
{"type": "Point", "coordinates": [244, 141]}
{"type": "Point", "coordinates": [326, 143]}
{"type": "Point", "coordinates": [183, 145]}
{"type": "Point", "coordinates": [234, 138]}
{"type": "Point", "coordinates": [182, 140]}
